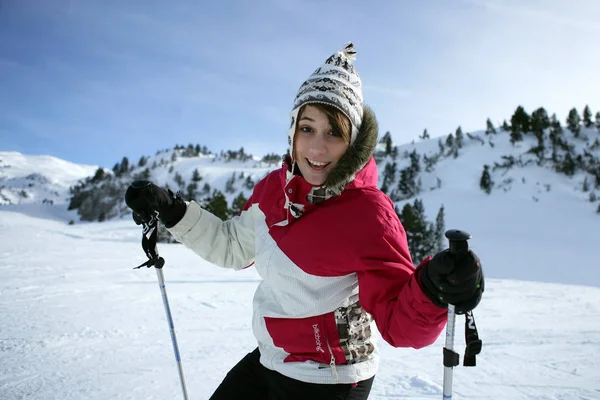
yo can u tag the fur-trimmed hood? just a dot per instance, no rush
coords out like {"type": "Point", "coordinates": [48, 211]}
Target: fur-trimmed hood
{"type": "Point", "coordinates": [357, 155]}
{"type": "Point", "coordinates": [354, 159]}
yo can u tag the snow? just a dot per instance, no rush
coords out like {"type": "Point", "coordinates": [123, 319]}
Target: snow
{"type": "Point", "coordinates": [78, 322]}
{"type": "Point", "coordinates": [39, 177]}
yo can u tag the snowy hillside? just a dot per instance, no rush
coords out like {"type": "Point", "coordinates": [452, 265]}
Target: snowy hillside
{"type": "Point", "coordinates": [535, 224]}
{"type": "Point", "coordinates": [26, 179]}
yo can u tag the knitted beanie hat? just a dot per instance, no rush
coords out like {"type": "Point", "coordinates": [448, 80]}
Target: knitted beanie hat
{"type": "Point", "coordinates": [335, 83]}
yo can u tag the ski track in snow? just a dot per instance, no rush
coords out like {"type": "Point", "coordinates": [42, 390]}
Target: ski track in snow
{"type": "Point", "coordinates": [78, 322]}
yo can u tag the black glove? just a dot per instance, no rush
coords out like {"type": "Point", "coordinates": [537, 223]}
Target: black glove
{"type": "Point", "coordinates": [457, 279]}
{"type": "Point", "coordinates": [144, 198]}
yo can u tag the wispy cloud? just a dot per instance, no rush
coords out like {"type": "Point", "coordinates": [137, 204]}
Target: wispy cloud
{"type": "Point", "coordinates": [553, 12]}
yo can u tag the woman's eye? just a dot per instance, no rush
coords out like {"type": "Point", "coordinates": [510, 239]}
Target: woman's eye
{"type": "Point", "coordinates": [305, 129]}
{"type": "Point", "coordinates": [334, 133]}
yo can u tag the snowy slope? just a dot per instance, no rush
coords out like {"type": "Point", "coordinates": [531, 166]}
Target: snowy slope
{"type": "Point", "coordinates": [213, 171]}
{"type": "Point", "coordinates": [27, 179]}
{"type": "Point", "coordinates": [77, 322]}
{"type": "Point", "coordinates": [535, 225]}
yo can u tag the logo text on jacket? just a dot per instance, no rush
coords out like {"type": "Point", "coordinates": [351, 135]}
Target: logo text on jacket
{"type": "Point", "coordinates": [317, 332]}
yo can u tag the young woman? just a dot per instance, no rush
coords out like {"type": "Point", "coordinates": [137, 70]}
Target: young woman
{"type": "Point", "coordinates": [331, 252]}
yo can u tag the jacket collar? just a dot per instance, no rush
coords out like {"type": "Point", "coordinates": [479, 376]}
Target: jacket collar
{"type": "Point", "coordinates": [356, 169]}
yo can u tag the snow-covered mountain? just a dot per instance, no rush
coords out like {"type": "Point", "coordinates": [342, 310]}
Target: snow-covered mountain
{"type": "Point", "coordinates": [27, 179]}
{"type": "Point", "coordinates": [535, 223]}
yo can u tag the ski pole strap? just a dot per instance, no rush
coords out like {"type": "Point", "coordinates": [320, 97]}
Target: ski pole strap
{"type": "Point", "coordinates": [472, 340]}
{"type": "Point", "coordinates": [149, 239]}
{"type": "Point", "coordinates": [473, 345]}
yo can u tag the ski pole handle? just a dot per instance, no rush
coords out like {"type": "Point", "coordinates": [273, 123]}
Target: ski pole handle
{"type": "Point", "coordinates": [457, 241]}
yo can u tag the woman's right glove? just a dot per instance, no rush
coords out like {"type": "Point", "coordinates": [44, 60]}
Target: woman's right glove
{"type": "Point", "coordinates": [450, 278]}
{"type": "Point", "coordinates": [145, 198]}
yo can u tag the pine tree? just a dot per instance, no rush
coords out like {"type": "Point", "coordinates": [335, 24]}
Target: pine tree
{"type": "Point", "coordinates": [387, 141]}
{"type": "Point", "coordinates": [450, 141]}
{"type": "Point", "coordinates": [191, 191]}
{"type": "Point", "coordinates": [490, 130]}
{"type": "Point", "coordinates": [522, 119]}
{"type": "Point", "coordinates": [229, 185]}
{"type": "Point", "coordinates": [409, 185]}
{"type": "Point", "coordinates": [124, 168]}
{"type": "Point", "coordinates": [179, 180]}
{"type": "Point", "coordinates": [568, 165]}
{"type": "Point", "coordinates": [415, 162]}
{"type": "Point", "coordinates": [459, 137]}
{"type": "Point", "coordinates": [238, 204]}
{"type": "Point", "coordinates": [515, 135]}
{"type": "Point", "coordinates": [217, 205]}
{"type": "Point", "coordinates": [598, 120]}
{"type": "Point", "coordinates": [587, 117]}
{"type": "Point", "coordinates": [505, 126]}
{"type": "Point", "coordinates": [440, 230]}
{"type": "Point", "coordinates": [116, 169]}
{"type": "Point", "coordinates": [142, 162]}
{"type": "Point", "coordinates": [98, 176]}
{"type": "Point", "coordinates": [413, 220]}
{"type": "Point", "coordinates": [406, 184]}
{"type": "Point", "coordinates": [485, 183]}
{"type": "Point", "coordinates": [574, 122]}
{"type": "Point", "coordinates": [520, 124]}
{"type": "Point", "coordinates": [189, 151]}
{"type": "Point", "coordinates": [389, 174]}
{"type": "Point", "coordinates": [425, 135]}
{"type": "Point", "coordinates": [539, 120]}
{"type": "Point", "coordinates": [196, 177]}
{"type": "Point", "coordinates": [430, 162]}
{"type": "Point", "coordinates": [249, 183]}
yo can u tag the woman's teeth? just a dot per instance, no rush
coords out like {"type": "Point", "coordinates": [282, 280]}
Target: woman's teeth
{"type": "Point", "coordinates": [316, 164]}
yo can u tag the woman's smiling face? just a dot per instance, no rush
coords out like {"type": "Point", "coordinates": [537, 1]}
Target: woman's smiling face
{"type": "Point", "coordinates": [317, 145]}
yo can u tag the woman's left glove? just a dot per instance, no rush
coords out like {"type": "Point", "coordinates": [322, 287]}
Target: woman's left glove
{"type": "Point", "coordinates": [450, 278]}
{"type": "Point", "coordinates": [144, 198]}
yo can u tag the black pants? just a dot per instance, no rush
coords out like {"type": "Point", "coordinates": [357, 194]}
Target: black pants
{"type": "Point", "coordinates": [250, 380]}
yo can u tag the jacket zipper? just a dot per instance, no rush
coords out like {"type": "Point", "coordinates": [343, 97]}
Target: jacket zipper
{"type": "Point", "coordinates": [332, 357]}
{"type": "Point", "coordinates": [332, 363]}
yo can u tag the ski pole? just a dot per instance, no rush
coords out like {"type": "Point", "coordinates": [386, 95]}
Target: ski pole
{"type": "Point", "coordinates": [163, 290]}
{"type": "Point", "coordinates": [149, 239]}
{"type": "Point", "coordinates": [457, 244]}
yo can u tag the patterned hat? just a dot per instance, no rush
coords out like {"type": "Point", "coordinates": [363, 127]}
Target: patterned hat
{"type": "Point", "coordinates": [335, 83]}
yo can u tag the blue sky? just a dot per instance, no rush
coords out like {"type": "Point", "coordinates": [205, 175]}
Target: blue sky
{"type": "Point", "coordinates": [92, 81]}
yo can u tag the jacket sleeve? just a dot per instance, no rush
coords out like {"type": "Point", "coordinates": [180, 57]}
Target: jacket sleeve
{"type": "Point", "coordinates": [389, 289]}
{"type": "Point", "coordinates": [228, 244]}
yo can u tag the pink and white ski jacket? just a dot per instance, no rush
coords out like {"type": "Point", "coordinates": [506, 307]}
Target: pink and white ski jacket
{"type": "Point", "coordinates": [332, 271]}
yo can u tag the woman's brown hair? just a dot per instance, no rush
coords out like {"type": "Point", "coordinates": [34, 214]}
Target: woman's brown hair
{"type": "Point", "coordinates": [338, 120]}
